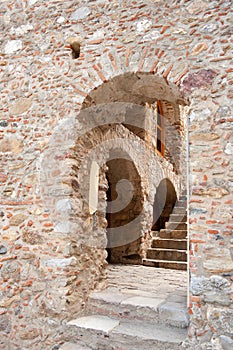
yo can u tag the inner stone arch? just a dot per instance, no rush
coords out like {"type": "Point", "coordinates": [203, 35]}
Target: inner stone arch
{"type": "Point", "coordinates": [140, 109]}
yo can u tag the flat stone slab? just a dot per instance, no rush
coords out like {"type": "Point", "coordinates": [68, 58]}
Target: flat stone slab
{"type": "Point", "coordinates": [142, 301]}
{"type": "Point", "coordinates": [95, 322]}
{"type": "Point", "coordinates": [151, 332]}
{"type": "Point", "coordinates": [109, 295]}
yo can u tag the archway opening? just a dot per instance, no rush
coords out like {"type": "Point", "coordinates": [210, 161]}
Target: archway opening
{"type": "Point", "coordinates": [164, 202]}
{"type": "Point", "coordinates": [124, 206]}
{"type": "Point", "coordinates": [145, 116]}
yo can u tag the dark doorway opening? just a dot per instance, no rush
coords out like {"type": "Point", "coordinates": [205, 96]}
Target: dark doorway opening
{"type": "Point", "coordinates": [124, 206]}
{"type": "Point", "coordinates": [164, 202]}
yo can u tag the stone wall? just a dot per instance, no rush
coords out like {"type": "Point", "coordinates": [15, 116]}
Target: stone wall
{"type": "Point", "coordinates": [178, 51]}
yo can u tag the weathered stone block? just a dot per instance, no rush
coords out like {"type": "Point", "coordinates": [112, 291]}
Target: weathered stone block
{"type": "Point", "coordinates": [226, 342]}
{"type": "Point", "coordinates": [3, 249]}
{"type": "Point", "coordinates": [21, 106]}
{"type": "Point", "coordinates": [80, 13]}
{"type": "Point", "coordinates": [13, 46]}
{"type": "Point", "coordinates": [5, 324]}
{"type": "Point", "coordinates": [17, 219]}
{"type": "Point", "coordinates": [11, 144]}
{"type": "Point", "coordinates": [61, 262]}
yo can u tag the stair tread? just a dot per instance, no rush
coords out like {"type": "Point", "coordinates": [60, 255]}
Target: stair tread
{"type": "Point", "coordinates": [166, 261]}
{"type": "Point", "coordinates": [169, 239]}
{"type": "Point", "coordinates": [176, 222]}
{"type": "Point", "coordinates": [167, 249]}
{"type": "Point", "coordinates": [133, 328]}
{"type": "Point", "coordinates": [171, 229]}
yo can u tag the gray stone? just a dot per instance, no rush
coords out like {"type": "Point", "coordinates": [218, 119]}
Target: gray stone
{"type": "Point", "coordinates": [217, 297]}
{"type": "Point", "coordinates": [221, 319]}
{"type": "Point", "coordinates": [226, 342]}
{"type": "Point", "coordinates": [62, 227]}
{"type": "Point", "coordinates": [174, 313]}
{"type": "Point", "coordinates": [80, 13]}
{"type": "Point", "coordinates": [97, 322]}
{"type": "Point", "coordinates": [219, 282]}
{"type": "Point", "coordinates": [32, 2]}
{"type": "Point", "coordinates": [61, 19]}
{"type": "Point", "coordinates": [13, 46]}
{"type": "Point", "coordinates": [63, 205]}
{"type": "Point", "coordinates": [143, 25]}
{"type": "Point", "coordinates": [11, 269]}
{"type": "Point", "coordinates": [229, 148]}
{"type": "Point", "coordinates": [23, 29]}
{"type": "Point", "coordinates": [61, 262]}
{"type": "Point", "coordinates": [199, 285]}
{"type": "Point", "coordinates": [223, 112]}
{"type": "Point", "coordinates": [3, 123]}
{"type": "Point", "coordinates": [5, 324]}
{"type": "Point", "coordinates": [153, 35]}
{"type": "Point", "coordinates": [3, 249]}
{"type": "Point", "coordinates": [209, 28]}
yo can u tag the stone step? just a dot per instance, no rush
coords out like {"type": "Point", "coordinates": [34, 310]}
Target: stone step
{"type": "Point", "coordinates": [181, 203]}
{"type": "Point", "coordinates": [100, 332]}
{"type": "Point", "coordinates": [175, 265]}
{"type": "Point", "coordinates": [130, 306]}
{"type": "Point", "coordinates": [183, 198]}
{"type": "Point", "coordinates": [169, 243]}
{"type": "Point", "coordinates": [176, 225]}
{"type": "Point", "coordinates": [155, 233]}
{"type": "Point", "coordinates": [178, 218]}
{"type": "Point", "coordinates": [179, 210]}
{"type": "Point", "coordinates": [166, 254]}
{"type": "Point", "coordinates": [174, 234]}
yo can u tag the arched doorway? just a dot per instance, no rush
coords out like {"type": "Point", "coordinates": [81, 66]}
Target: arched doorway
{"type": "Point", "coordinates": [164, 202]}
{"type": "Point", "coordinates": [169, 243]}
{"type": "Point", "coordinates": [124, 206]}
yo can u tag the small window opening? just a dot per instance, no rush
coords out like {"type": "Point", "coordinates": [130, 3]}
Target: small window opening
{"type": "Point", "coordinates": [160, 129]}
{"type": "Point", "coordinates": [75, 45]}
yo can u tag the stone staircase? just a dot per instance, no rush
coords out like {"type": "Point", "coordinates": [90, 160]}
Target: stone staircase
{"type": "Point", "coordinates": [169, 246]}
{"type": "Point", "coordinates": [132, 318]}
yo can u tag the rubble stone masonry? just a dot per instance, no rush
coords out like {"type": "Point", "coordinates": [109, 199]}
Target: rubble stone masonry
{"type": "Point", "coordinates": [58, 60]}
